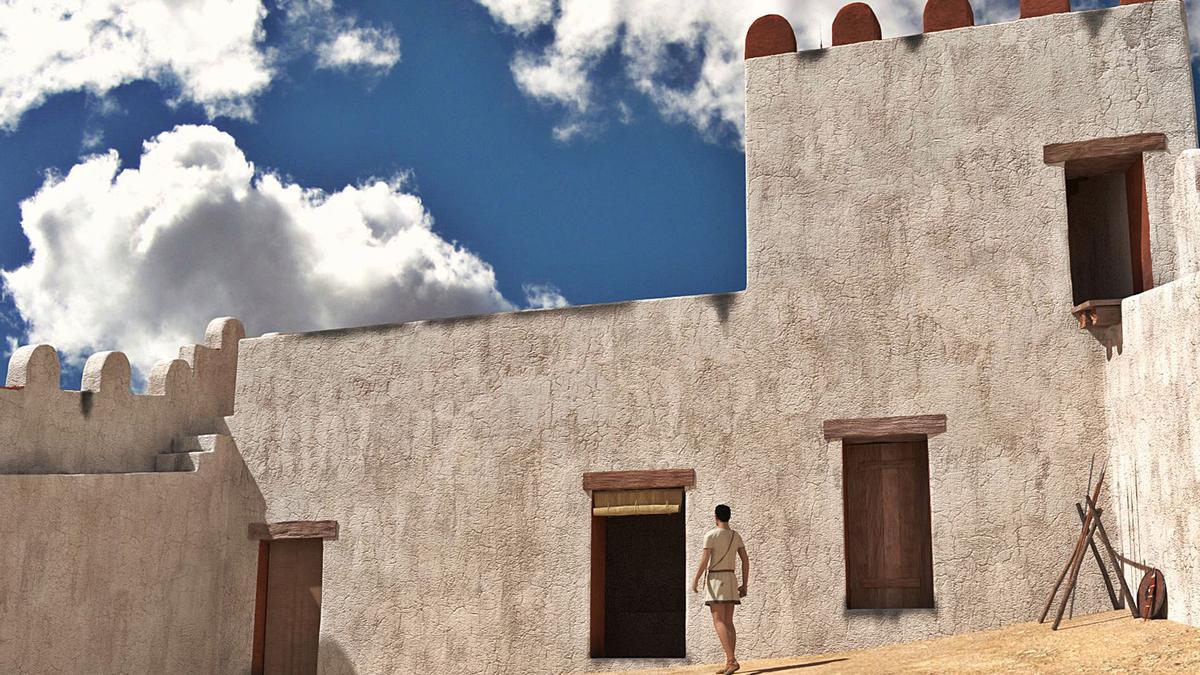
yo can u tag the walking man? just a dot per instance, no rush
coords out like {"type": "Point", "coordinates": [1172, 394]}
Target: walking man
{"type": "Point", "coordinates": [721, 591]}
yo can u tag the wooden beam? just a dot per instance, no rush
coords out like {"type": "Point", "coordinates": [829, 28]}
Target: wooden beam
{"type": "Point", "coordinates": [639, 480]}
{"type": "Point", "coordinates": [596, 620]}
{"type": "Point", "coordinates": [260, 610]}
{"type": "Point", "coordinates": [1138, 209]}
{"type": "Point", "coordinates": [910, 427]}
{"type": "Point", "coordinates": [294, 529]}
{"type": "Point", "coordinates": [1104, 147]}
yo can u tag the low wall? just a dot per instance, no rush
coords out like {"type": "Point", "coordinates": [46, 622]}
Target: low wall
{"type": "Point", "coordinates": [1154, 423]}
{"type": "Point", "coordinates": [105, 428]}
{"type": "Point", "coordinates": [129, 573]}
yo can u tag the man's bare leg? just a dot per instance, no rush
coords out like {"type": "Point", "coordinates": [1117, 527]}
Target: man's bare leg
{"type": "Point", "coordinates": [732, 631]}
{"type": "Point", "coordinates": [718, 614]}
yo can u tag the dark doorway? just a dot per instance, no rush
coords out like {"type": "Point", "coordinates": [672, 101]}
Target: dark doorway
{"type": "Point", "coordinates": [638, 579]}
{"type": "Point", "coordinates": [288, 611]}
{"type": "Point", "coordinates": [889, 552]}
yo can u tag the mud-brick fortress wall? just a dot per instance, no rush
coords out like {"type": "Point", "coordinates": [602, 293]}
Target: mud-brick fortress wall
{"type": "Point", "coordinates": [907, 254]}
{"type": "Point", "coordinates": [124, 516]}
{"type": "Point", "coordinates": [1153, 397]}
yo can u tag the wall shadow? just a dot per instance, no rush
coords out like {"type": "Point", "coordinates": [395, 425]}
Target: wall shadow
{"type": "Point", "coordinates": [333, 660]}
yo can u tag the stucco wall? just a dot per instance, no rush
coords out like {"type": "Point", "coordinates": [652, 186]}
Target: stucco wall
{"type": "Point", "coordinates": [1153, 412]}
{"type": "Point", "coordinates": [907, 255]}
{"type": "Point", "coordinates": [1154, 421]}
{"type": "Point", "coordinates": [129, 573]}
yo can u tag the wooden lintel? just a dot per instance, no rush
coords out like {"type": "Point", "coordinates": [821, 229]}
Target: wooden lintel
{"type": "Point", "coordinates": [295, 529]}
{"type": "Point", "coordinates": [639, 480]}
{"type": "Point", "coordinates": [1104, 147]}
{"type": "Point", "coordinates": [884, 428]}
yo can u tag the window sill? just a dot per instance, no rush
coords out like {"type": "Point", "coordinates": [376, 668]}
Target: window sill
{"type": "Point", "coordinates": [1101, 318]}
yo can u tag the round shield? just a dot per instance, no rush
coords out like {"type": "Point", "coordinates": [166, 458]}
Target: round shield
{"type": "Point", "coordinates": [1152, 595]}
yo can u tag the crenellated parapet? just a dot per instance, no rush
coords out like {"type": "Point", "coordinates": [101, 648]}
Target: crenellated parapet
{"type": "Point", "coordinates": [105, 427]}
{"type": "Point", "coordinates": [856, 22]}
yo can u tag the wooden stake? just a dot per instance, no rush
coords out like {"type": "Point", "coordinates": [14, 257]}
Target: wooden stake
{"type": "Point", "coordinates": [1116, 563]}
{"type": "Point", "coordinates": [1112, 596]}
{"type": "Point", "coordinates": [1078, 546]}
{"type": "Point", "coordinates": [1075, 565]}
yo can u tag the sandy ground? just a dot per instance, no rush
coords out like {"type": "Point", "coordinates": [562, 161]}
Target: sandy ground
{"type": "Point", "coordinates": [1098, 643]}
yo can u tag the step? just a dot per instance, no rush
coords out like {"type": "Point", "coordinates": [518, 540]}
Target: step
{"type": "Point", "coordinates": [204, 443]}
{"type": "Point", "coordinates": [177, 461]}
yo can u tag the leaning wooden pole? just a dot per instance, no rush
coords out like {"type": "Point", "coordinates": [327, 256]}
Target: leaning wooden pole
{"type": "Point", "coordinates": [1078, 545]}
{"type": "Point", "coordinates": [1115, 559]}
{"type": "Point", "coordinates": [1108, 586]}
{"type": "Point", "coordinates": [1075, 565]}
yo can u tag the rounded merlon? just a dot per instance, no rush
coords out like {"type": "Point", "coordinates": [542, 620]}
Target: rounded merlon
{"type": "Point", "coordinates": [34, 367]}
{"type": "Point", "coordinates": [107, 372]}
{"type": "Point", "coordinates": [770, 35]}
{"type": "Point", "coordinates": [947, 14]}
{"type": "Point", "coordinates": [1032, 8]}
{"type": "Point", "coordinates": [856, 22]}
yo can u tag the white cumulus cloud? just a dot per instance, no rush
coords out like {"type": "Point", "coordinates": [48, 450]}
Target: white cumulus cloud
{"type": "Point", "coordinates": [522, 15]}
{"type": "Point", "coordinates": [685, 56]}
{"type": "Point", "coordinates": [210, 49]}
{"type": "Point", "coordinates": [140, 259]}
{"type": "Point", "coordinates": [368, 48]}
{"type": "Point", "coordinates": [543, 296]}
{"type": "Point", "coordinates": [209, 52]}
{"type": "Point", "coordinates": [339, 40]}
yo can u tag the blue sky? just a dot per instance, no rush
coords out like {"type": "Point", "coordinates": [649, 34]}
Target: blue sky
{"type": "Point", "coordinates": [594, 153]}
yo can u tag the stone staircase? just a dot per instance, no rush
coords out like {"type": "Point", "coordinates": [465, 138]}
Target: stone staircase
{"type": "Point", "coordinates": [185, 453]}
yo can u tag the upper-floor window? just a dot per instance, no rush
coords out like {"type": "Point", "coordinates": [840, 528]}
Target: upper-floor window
{"type": "Point", "coordinates": [1108, 216]}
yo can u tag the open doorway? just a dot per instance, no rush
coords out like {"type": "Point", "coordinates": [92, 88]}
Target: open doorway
{"type": "Point", "coordinates": [638, 573]}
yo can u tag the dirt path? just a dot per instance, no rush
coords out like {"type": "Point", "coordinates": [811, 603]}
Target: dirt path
{"type": "Point", "coordinates": [1098, 643]}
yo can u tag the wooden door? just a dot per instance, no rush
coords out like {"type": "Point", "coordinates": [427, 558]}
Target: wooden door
{"type": "Point", "coordinates": [889, 553]}
{"type": "Point", "coordinates": [292, 619]}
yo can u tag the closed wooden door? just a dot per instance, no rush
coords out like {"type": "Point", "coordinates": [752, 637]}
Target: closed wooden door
{"type": "Point", "coordinates": [292, 620]}
{"type": "Point", "coordinates": [889, 553]}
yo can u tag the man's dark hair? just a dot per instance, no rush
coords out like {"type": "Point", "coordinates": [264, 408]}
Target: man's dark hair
{"type": "Point", "coordinates": [723, 513]}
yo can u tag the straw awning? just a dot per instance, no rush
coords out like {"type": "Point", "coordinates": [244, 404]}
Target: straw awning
{"type": "Point", "coordinates": [636, 502]}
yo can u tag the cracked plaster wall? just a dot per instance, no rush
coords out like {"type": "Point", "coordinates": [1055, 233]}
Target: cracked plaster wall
{"type": "Point", "coordinates": [1154, 422]}
{"type": "Point", "coordinates": [907, 255]}
{"type": "Point", "coordinates": [129, 573]}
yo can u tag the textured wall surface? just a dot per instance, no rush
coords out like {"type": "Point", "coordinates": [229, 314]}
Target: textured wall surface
{"type": "Point", "coordinates": [105, 428]}
{"type": "Point", "coordinates": [129, 573]}
{"type": "Point", "coordinates": [1154, 422]}
{"type": "Point", "coordinates": [908, 254]}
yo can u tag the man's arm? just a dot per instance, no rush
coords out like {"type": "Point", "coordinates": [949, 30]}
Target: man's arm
{"type": "Point", "coordinates": [700, 570]}
{"type": "Point", "coordinates": [745, 569]}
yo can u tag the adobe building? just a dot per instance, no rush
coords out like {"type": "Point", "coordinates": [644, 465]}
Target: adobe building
{"type": "Point", "coordinates": [901, 406]}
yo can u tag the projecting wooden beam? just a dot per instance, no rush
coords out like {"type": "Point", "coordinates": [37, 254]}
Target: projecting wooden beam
{"type": "Point", "coordinates": [1104, 147]}
{"type": "Point", "coordinates": [884, 428]}
{"type": "Point", "coordinates": [639, 480]}
{"type": "Point", "coordinates": [295, 529]}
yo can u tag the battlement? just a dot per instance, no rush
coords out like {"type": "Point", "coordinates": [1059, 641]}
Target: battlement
{"type": "Point", "coordinates": [856, 22]}
{"type": "Point", "coordinates": [105, 427]}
